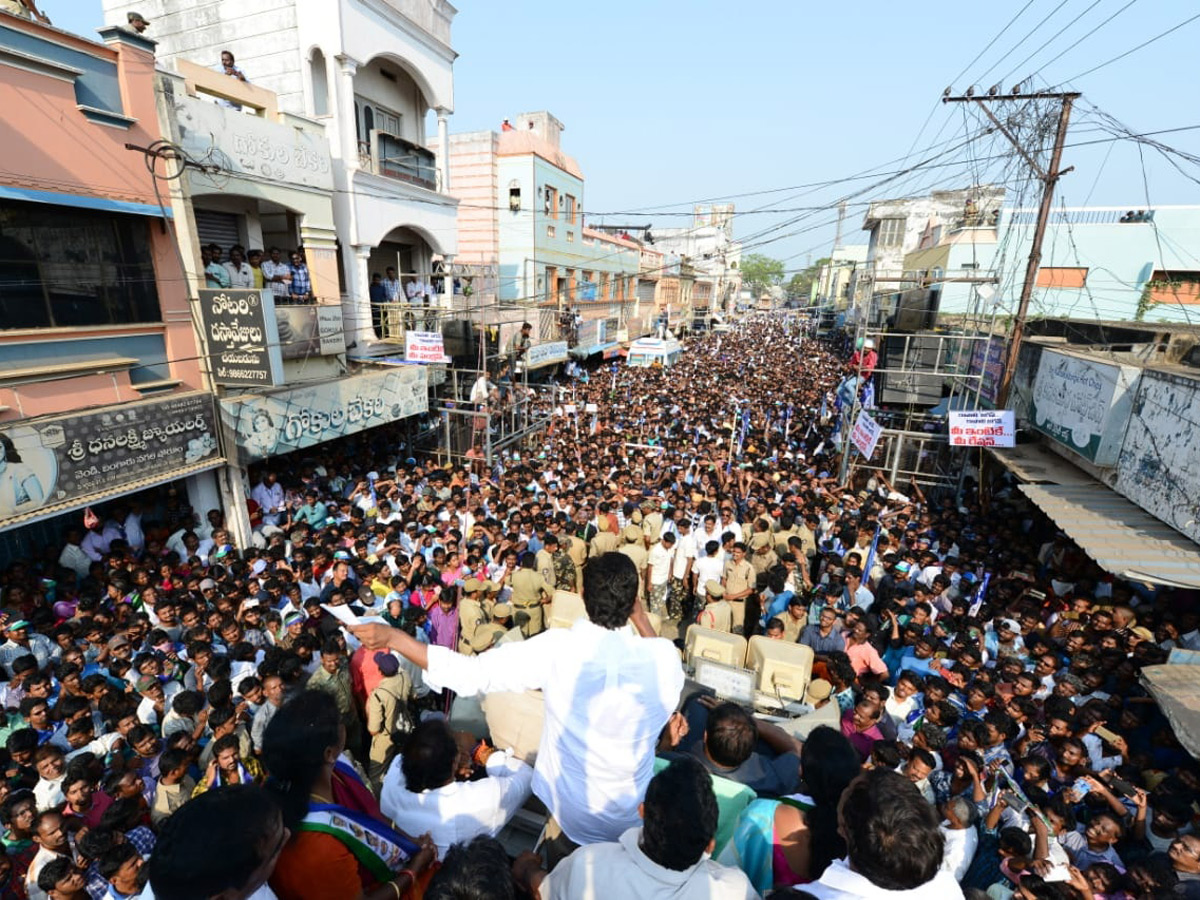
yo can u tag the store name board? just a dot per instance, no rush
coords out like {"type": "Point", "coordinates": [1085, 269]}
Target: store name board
{"type": "Point", "coordinates": [983, 428]}
{"type": "Point", "coordinates": [1084, 405]}
{"type": "Point", "coordinates": [70, 460]}
{"type": "Point", "coordinates": [242, 336]}
{"type": "Point", "coordinates": [310, 330]}
{"type": "Point", "coordinates": [546, 354]}
{"type": "Point", "coordinates": [284, 421]}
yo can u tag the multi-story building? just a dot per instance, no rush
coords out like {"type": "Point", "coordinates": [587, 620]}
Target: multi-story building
{"type": "Point", "coordinates": [712, 256]}
{"type": "Point", "coordinates": [103, 391]}
{"type": "Point", "coordinates": [1110, 263]}
{"type": "Point", "coordinates": [521, 211]}
{"type": "Point", "coordinates": [378, 75]}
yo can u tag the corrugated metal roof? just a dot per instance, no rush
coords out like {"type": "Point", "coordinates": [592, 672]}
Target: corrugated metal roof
{"type": "Point", "coordinates": [1176, 688]}
{"type": "Point", "coordinates": [1040, 465]}
{"type": "Point", "coordinates": [1120, 536]}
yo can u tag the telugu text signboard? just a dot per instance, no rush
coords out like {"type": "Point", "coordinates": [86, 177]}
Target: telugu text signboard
{"type": "Point", "coordinates": [987, 361]}
{"type": "Point", "coordinates": [865, 434]}
{"type": "Point", "coordinates": [545, 354]}
{"type": "Point", "coordinates": [68, 461]}
{"type": "Point", "coordinates": [983, 428]}
{"type": "Point", "coordinates": [1083, 404]}
{"type": "Point", "coordinates": [424, 347]}
{"type": "Point", "coordinates": [242, 335]}
{"type": "Point", "coordinates": [292, 420]}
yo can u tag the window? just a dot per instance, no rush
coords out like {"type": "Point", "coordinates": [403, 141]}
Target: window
{"type": "Point", "coordinates": [514, 196]}
{"type": "Point", "coordinates": [63, 267]}
{"type": "Point", "coordinates": [320, 84]}
{"type": "Point", "coordinates": [552, 201]}
{"type": "Point", "coordinates": [1061, 277]}
{"type": "Point", "coordinates": [570, 209]}
{"type": "Point", "coordinates": [570, 237]}
{"type": "Point", "coordinates": [550, 231]}
{"type": "Point", "coordinates": [891, 232]}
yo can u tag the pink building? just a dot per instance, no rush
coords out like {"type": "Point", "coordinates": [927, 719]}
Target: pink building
{"type": "Point", "coordinates": [102, 391]}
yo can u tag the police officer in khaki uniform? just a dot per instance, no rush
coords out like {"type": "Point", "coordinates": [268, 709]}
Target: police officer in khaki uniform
{"type": "Point", "coordinates": [635, 548]}
{"type": "Point", "coordinates": [529, 591]}
{"type": "Point", "coordinates": [717, 613]}
{"type": "Point", "coordinates": [577, 550]}
{"type": "Point", "coordinates": [476, 629]}
{"type": "Point", "coordinates": [502, 617]}
{"type": "Point", "coordinates": [652, 522]}
{"type": "Point", "coordinates": [738, 581]}
{"type": "Point", "coordinates": [762, 553]}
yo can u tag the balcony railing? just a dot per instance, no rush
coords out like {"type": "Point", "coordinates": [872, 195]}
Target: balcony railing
{"type": "Point", "coordinates": [393, 157]}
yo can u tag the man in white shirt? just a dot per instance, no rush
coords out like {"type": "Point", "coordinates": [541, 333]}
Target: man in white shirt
{"type": "Point", "coordinates": [240, 274]}
{"type": "Point", "coordinates": [658, 573]}
{"type": "Point", "coordinates": [268, 494]}
{"type": "Point", "coordinates": [392, 286]}
{"type": "Point", "coordinates": [608, 693]}
{"type": "Point", "coordinates": [73, 557]}
{"type": "Point", "coordinates": [53, 843]}
{"type": "Point", "coordinates": [277, 274]}
{"type": "Point", "coordinates": [420, 793]}
{"type": "Point", "coordinates": [962, 838]}
{"type": "Point", "coordinates": [667, 857]}
{"type": "Point", "coordinates": [894, 848]}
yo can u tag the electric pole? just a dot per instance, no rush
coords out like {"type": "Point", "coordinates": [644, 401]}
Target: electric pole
{"type": "Point", "coordinates": [1049, 178]}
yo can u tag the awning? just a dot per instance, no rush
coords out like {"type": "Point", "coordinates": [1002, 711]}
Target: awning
{"type": "Point", "coordinates": [1037, 464]}
{"type": "Point", "coordinates": [83, 201]}
{"type": "Point", "coordinates": [123, 490]}
{"type": "Point", "coordinates": [1176, 690]}
{"type": "Point", "coordinates": [1121, 537]}
{"type": "Point", "coordinates": [584, 352]}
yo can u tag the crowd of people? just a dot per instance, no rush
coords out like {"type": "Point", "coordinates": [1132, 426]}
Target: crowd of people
{"type": "Point", "coordinates": [287, 278]}
{"type": "Point", "coordinates": [409, 657]}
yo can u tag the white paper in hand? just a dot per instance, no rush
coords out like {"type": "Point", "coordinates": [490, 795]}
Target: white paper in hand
{"type": "Point", "coordinates": [342, 614]}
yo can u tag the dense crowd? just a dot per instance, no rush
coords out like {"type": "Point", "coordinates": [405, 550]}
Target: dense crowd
{"type": "Point", "coordinates": [359, 703]}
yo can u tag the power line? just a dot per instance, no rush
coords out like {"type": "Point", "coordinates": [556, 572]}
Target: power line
{"type": "Point", "coordinates": [992, 42]}
{"type": "Point", "coordinates": [1079, 41]}
{"type": "Point", "coordinates": [1145, 43]}
{"type": "Point", "coordinates": [1003, 78]}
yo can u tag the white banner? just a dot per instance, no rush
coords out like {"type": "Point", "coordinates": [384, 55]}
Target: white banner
{"type": "Point", "coordinates": [424, 347]}
{"type": "Point", "coordinates": [545, 354]}
{"type": "Point", "coordinates": [865, 434]}
{"type": "Point", "coordinates": [983, 428]}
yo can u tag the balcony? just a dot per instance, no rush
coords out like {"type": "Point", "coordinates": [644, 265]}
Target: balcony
{"type": "Point", "coordinates": [393, 157]}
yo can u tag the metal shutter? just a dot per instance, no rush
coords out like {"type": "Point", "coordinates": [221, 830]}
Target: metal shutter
{"type": "Point", "coordinates": [220, 228]}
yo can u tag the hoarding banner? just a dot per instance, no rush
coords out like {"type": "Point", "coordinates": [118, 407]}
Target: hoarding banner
{"type": "Point", "coordinates": [545, 354]}
{"type": "Point", "coordinates": [310, 330]}
{"type": "Point", "coordinates": [865, 434]}
{"type": "Point", "coordinates": [983, 428]}
{"type": "Point", "coordinates": [292, 420]}
{"type": "Point", "coordinates": [72, 459]}
{"type": "Point", "coordinates": [242, 336]}
{"type": "Point", "coordinates": [424, 347]}
{"type": "Point", "coordinates": [1083, 405]}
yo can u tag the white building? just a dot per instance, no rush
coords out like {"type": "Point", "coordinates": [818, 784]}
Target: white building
{"type": "Point", "coordinates": [376, 73]}
{"type": "Point", "coordinates": [710, 250]}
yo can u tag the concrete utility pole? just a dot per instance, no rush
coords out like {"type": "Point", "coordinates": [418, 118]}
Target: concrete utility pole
{"type": "Point", "coordinates": [1049, 178]}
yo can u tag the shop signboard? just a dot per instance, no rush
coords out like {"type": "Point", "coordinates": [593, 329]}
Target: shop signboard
{"type": "Point", "coordinates": [307, 330]}
{"type": "Point", "coordinates": [242, 335]}
{"type": "Point", "coordinates": [1084, 404]}
{"type": "Point", "coordinates": [269, 425]}
{"type": "Point", "coordinates": [63, 462]}
{"type": "Point", "coordinates": [546, 354]}
{"type": "Point", "coordinates": [983, 428]}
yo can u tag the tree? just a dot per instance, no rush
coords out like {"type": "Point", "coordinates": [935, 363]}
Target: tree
{"type": "Point", "coordinates": [759, 273]}
{"type": "Point", "coordinates": [802, 282]}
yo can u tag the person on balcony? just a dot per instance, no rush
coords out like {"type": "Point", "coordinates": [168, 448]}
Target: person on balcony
{"type": "Point", "coordinates": [300, 288]}
{"type": "Point", "coordinates": [241, 275]}
{"type": "Point", "coordinates": [215, 274]}
{"type": "Point", "coordinates": [391, 286]}
{"type": "Point", "coordinates": [229, 67]}
{"type": "Point", "coordinates": [277, 274]}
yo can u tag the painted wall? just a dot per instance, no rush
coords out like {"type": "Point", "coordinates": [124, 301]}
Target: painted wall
{"type": "Point", "coordinates": [86, 158]}
{"type": "Point", "coordinates": [1157, 468]}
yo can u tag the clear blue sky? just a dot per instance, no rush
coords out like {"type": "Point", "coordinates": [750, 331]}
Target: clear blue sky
{"type": "Point", "coordinates": [668, 102]}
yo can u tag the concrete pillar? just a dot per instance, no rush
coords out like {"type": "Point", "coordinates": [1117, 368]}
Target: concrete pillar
{"type": "Point", "coordinates": [203, 493]}
{"type": "Point", "coordinates": [348, 138]}
{"type": "Point", "coordinates": [358, 313]}
{"type": "Point", "coordinates": [443, 154]}
{"type": "Point", "coordinates": [446, 301]}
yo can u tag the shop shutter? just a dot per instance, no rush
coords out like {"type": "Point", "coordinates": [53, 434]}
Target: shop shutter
{"type": "Point", "coordinates": [220, 228]}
